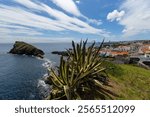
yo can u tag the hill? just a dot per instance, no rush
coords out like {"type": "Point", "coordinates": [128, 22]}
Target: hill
{"type": "Point", "coordinates": [129, 82]}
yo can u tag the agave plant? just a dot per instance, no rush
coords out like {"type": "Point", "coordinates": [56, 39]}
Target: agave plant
{"type": "Point", "coordinates": [80, 75]}
{"type": "Point", "coordinates": [63, 81]}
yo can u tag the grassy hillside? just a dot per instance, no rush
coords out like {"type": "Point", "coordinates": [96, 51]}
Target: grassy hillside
{"type": "Point", "coordinates": [129, 82]}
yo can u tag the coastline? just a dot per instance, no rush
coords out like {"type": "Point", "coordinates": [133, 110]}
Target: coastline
{"type": "Point", "coordinates": [30, 65]}
{"type": "Point", "coordinates": [43, 87]}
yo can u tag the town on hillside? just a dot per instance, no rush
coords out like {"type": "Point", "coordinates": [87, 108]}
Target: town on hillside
{"type": "Point", "coordinates": [137, 52]}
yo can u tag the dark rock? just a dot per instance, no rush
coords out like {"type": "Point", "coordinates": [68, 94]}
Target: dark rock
{"type": "Point", "coordinates": [134, 60]}
{"type": "Point", "coordinates": [63, 53]}
{"type": "Point", "coordinates": [27, 49]}
{"type": "Point", "coordinates": [147, 63]}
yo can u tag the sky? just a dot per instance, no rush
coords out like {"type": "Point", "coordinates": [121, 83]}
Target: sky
{"type": "Point", "coordinates": [67, 20]}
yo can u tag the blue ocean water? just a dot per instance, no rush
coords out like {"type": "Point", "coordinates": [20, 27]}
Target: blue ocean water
{"type": "Point", "coordinates": [21, 76]}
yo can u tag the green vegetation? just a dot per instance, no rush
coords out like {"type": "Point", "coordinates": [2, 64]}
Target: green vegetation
{"type": "Point", "coordinates": [129, 82]}
{"type": "Point", "coordinates": [81, 75]}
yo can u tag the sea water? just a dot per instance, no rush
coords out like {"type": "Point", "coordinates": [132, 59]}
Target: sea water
{"type": "Point", "coordinates": [21, 77]}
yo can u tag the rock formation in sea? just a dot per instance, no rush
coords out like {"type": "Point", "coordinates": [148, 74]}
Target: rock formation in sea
{"type": "Point", "coordinates": [63, 53]}
{"type": "Point", "coordinates": [27, 49]}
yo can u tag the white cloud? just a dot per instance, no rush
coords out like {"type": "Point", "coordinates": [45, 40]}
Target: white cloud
{"type": "Point", "coordinates": [136, 19]}
{"type": "Point", "coordinates": [94, 21]}
{"type": "Point", "coordinates": [68, 5]}
{"type": "Point", "coordinates": [115, 15]}
{"type": "Point", "coordinates": [28, 3]}
{"type": "Point", "coordinates": [35, 39]}
{"type": "Point", "coordinates": [77, 1]}
{"type": "Point", "coordinates": [27, 22]}
{"type": "Point", "coordinates": [17, 20]}
{"type": "Point", "coordinates": [12, 16]}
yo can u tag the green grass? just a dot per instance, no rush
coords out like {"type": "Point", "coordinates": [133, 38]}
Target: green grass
{"type": "Point", "coordinates": [129, 82]}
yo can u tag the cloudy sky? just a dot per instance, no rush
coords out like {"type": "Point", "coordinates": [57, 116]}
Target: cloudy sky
{"type": "Point", "coordinates": [66, 20]}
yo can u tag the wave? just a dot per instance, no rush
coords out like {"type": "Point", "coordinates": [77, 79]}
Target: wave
{"type": "Point", "coordinates": [47, 63]}
{"type": "Point", "coordinates": [38, 58]}
{"type": "Point", "coordinates": [45, 89]}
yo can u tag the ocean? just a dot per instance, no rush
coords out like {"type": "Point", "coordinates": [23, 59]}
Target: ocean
{"type": "Point", "coordinates": [21, 77]}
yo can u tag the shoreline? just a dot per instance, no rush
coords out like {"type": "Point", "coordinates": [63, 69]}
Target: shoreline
{"type": "Point", "coordinates": [45, 88]}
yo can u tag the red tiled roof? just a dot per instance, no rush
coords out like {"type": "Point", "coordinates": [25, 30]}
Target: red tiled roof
{"type": "Point", "coordinates": [120, 53]}
{"type": "Point", "coordinates": [145, 49]}
{"type": "Point", "coordinates": [114, 52]}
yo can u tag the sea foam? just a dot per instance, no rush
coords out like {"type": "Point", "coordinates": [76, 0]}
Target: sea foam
{"type": "Point", "coordinates": [47, 63]}
{"type": "Point", "coordinates": [44, 88]}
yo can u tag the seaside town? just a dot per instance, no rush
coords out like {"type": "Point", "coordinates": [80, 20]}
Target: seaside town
{"type": "Point", "coordinates": [126, 52]}
{"type": "Point", "coordinates": [134, 52]}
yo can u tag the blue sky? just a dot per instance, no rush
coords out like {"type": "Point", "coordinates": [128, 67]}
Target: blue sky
{"type": "Point", "coordinates": [67, 20]}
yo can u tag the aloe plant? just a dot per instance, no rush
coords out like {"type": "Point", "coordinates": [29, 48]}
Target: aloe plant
{"type": "Point", "coordinates": [80, 75]}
